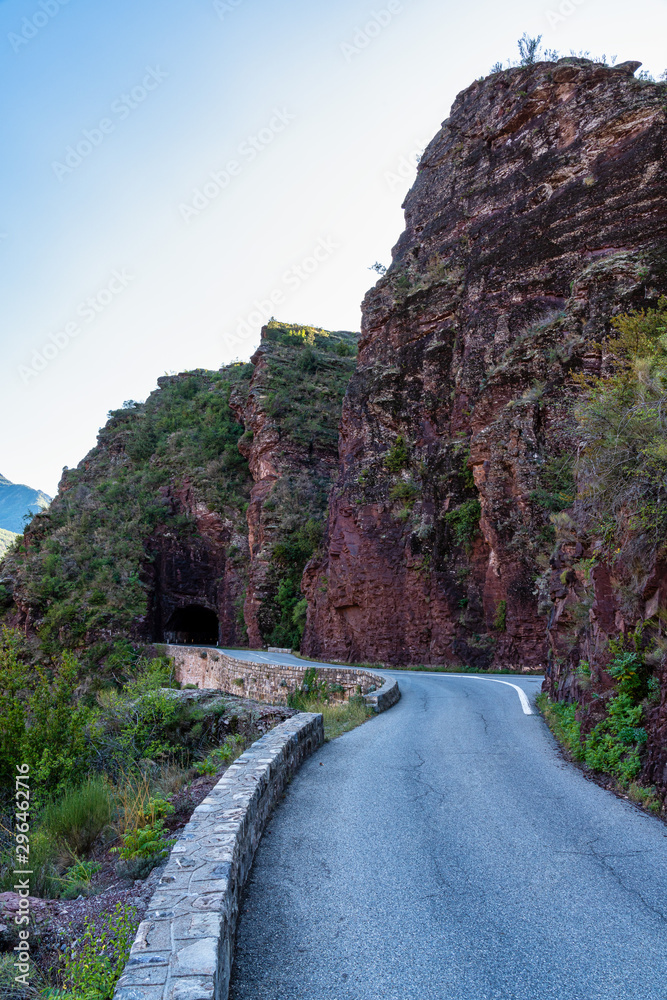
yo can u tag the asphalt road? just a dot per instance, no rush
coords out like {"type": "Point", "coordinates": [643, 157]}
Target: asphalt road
{"type": "Point", "coordinates": [445, 850]}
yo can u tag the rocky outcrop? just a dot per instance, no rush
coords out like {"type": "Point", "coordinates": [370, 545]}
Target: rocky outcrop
{"type": "Point", "coordinates": [538, 212]}
{"type": "Point", "coordinates": [290, 414]}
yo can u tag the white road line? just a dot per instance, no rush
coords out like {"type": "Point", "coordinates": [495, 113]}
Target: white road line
{"type": "Point", "coordinates": [523, 698]}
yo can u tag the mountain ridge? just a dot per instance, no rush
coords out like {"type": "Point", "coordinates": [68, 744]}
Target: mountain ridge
{"type": "Point", "coordinates": [18, 500]}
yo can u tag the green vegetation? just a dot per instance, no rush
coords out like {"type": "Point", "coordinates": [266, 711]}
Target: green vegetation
{"type": "Point", "coordinates": [95, 963]}
{"type": "Point", "coordinates": [146, 841]}
{"type": "Point", "coordinates": [232, 748]}
{"type": "Point", "coordinates": [622, 475]}
{"type": "Point", "coordinates": [500, 619]}
{"type": "Point", "coordinates": [305, 389]}
{"type": "Point", "coordinates": [463, 521]}
{"type": "Point", "coordinates": [556, 486]}
{"type": "Point", "coordinates": [80, 567]}
{"type": "Point", "coordinates": [615, 746]}
{"type": "Point", "coordinates": [398, 456]}
{"type": "Point", "coordinates": [316, 695]}
{"type": "Point", "coordinates": [295, 512]}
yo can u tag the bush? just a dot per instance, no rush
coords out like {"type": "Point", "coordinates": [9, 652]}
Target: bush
{"type": "Point", "coordinates": [500, 620]}
{"type": "Point", "coordinates": [464, 522]}
{"type": "Point", "coordinates": [562, 720]}
{"type": "Point", "coordinates": [622, 474]}
{"type": "Point", "coordinates": [614, 746]}
{"type": "Point", "coordinates": [397, 457]}
{"type": "Point", "coordinates": [40, 723]}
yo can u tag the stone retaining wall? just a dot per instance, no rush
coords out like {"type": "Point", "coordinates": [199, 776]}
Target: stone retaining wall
{"type": "Point", "coordinates": [183, 949]}
{"type": "Point", "coordinates": [271, 682]}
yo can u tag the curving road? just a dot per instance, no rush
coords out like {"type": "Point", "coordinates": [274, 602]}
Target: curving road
{"type": "Point", "coordinates": [445, 851]}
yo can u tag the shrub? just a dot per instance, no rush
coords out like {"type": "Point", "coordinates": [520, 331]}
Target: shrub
{"type": "Point", "coordinates": [40, 723]}
{"type": "Point", "coordinates": [556, 487]}
{"type": "Point", "coordinates": [562, 720]}
{"type": "Point", "coordinates": [76, 881]}
{"type": "Point", "coordinates": [614, 746]}
{"type": "Point", "coordinates": [407, 492]}
{"type": "Point", "coordinates": [464, 522]}
{"type": "Point", "coordinates": [397, 457]}
{"type": "Point", "coordinates": [622, 417]}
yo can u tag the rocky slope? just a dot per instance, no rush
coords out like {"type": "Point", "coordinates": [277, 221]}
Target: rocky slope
{"type": "Point", "coordinates": [18, 501]}
{"type": "Point", "coordinates": [538, 213]}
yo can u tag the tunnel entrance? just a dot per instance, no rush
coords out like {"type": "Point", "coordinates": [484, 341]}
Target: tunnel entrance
{"type": "Point", "coordinates": [193, 625]}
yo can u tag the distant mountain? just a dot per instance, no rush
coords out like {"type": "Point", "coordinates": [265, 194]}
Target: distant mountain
{"type": "Point", "coordinates": [17, 501]}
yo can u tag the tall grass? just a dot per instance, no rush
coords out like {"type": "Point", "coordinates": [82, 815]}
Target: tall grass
{"type": "Point", "coordinates": [340, 717]}
{"type": "Point", "coordinates": [79, 816]}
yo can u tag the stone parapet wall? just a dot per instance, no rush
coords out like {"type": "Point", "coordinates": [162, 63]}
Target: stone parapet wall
{"type": "Point", "coordinates": [183, 949]}
{"type": "Point", "coordinates": [209, 668]}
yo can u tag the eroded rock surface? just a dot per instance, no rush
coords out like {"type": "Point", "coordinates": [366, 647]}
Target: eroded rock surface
{"type": "Point", "coordinates": [538, 213]}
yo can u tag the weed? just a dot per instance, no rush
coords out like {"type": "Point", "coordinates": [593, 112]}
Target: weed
{"type": "Point", "coordinates": [96, 962]}
{"type": "Point", "coordinates": [231, 749]}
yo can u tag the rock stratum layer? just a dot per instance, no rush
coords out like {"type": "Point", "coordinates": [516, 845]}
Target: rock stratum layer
{"type": "Point", "coordinates": [538, 213]}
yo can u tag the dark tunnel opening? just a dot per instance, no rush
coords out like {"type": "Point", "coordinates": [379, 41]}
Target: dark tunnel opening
{"type": "Point", "coordinates": [193, 625]}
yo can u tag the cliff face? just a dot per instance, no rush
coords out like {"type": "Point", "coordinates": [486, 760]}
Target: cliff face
{"type": "Point", "coordinates": [538, 213]}
{"type": "Point", "coordinates": [291, 415]}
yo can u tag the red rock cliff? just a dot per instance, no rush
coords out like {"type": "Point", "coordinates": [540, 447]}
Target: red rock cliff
{"type": "Point", "coordinates": [538, 212]}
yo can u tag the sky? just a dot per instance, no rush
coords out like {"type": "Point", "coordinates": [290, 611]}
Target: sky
{"type": "Point", "coordinates": [173, 173]}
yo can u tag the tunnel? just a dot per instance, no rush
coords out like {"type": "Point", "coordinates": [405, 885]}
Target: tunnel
{"type": "Point", "coordinates": [192, 625]}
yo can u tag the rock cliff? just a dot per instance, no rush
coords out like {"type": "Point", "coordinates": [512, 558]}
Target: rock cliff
{"type": "Point", "coordinates": [291, 415]}
{"type": "Point", "coordinates": [538, 213]}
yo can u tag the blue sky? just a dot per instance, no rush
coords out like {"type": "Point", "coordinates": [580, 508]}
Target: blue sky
{"type": "Point", "coordinates": [173, 172]}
